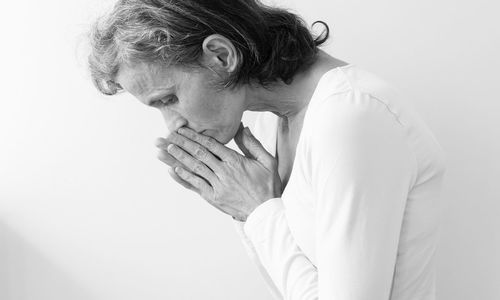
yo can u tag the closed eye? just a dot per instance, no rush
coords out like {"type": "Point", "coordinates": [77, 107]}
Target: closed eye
{"type": "Point", "coordinates": [165, 101]}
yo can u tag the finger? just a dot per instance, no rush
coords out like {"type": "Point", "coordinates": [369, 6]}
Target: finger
{"type": "Point", "coordinates": [197, 182]}
{"type": "Point", "coordinates": [181, 181]}
{"type": "Point", "coordinates": [165, 157]}
{"type": "Point", "coordinates": [254, 146]}
{"type": "Point", "coordinates": [195, 150]}
{"type": "Point", "coordinates": [238, 139]}
{"type": "Point", "coordinates": [210, 143]}
{"type": "Point", "coordinates": [206, 194]}
{"type": "Point", "coordinates": [194, 165]}
{"type": "Point", "coordinates": [168, 159]}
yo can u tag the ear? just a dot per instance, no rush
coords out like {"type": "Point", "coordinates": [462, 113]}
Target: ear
{"type": "Point", "coordinates": [219, 53]}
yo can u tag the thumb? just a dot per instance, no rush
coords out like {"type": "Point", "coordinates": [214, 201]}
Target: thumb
{"type": "Point", "coordinates": [238, 139]}
{"type": "Point", "coordinates": [255, 148]}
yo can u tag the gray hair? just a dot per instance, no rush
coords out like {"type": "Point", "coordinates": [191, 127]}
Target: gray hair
{"type": "Point", "coordinates": [271, 43]}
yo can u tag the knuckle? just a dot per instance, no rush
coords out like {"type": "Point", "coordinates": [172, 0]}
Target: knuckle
{"type": "Point", "coordinates": [193, 136]}
{"type": "Point", "coordinates": [198, 168]}
{"type": "Point", "coordinates": [179, 155]}
{"type": "Point", "coordinates": [200, 153]}
{"type": "Point", "coordinates": [210, 143]}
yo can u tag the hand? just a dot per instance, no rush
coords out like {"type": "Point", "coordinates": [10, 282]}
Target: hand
{"type": "Point", "coordinates": [233, 183]}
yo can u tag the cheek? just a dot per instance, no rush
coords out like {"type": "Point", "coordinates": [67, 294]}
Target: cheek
{"type": "Point", "coordinates": [204, 105]}
{"type": "Point", "coordinates": [204, 108]}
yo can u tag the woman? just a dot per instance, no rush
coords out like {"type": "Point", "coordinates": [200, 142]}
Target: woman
{"type": "Point", "coordinates": [336, 195]}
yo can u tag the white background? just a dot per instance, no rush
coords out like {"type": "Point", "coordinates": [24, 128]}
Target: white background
{"type": "Point", "coordinates": [88, 212]}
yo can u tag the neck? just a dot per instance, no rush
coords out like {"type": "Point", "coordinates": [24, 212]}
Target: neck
{"type": "Point", "coordinates": [289, 101]}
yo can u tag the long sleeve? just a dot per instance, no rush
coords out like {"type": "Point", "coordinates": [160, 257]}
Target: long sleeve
{"type": "Point", "coordinates": [250, 249]}
{"type": "Point", "coordinates": [361, 171]}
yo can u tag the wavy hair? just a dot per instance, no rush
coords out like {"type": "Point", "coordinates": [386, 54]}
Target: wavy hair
{"type": "Point", "coordinates": [271, 43]}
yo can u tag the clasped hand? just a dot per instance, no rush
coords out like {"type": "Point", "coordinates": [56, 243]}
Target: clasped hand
{"type": "Point", "coordinates": [233, 183]}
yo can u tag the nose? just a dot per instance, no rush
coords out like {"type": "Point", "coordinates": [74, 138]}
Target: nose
{"type": "Point", "coordinates": [173, 120]}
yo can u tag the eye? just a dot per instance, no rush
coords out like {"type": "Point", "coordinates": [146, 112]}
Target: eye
{"type": "Point", "coordinates": [169, 100]}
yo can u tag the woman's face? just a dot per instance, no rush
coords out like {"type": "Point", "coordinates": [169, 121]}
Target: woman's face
{"type": "Point", "coordinates": [186, 98]}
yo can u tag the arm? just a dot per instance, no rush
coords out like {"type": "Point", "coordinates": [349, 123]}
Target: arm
{"type": "Point", "coordinates": [361, 172]}
{"type": "Point", "coordinates": [250, 249]}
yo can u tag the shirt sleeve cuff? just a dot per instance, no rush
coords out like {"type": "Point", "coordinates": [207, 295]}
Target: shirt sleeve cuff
{"type": "Point", "coordinates": [260, 214]}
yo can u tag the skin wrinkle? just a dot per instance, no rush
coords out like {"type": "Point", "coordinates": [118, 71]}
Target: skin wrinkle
{"type": "Point", "coordinates": [220, 112]}
{"type": "Point", "coordinates": [282, 84]}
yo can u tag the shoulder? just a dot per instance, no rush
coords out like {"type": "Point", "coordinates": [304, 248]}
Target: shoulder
{"type": "Point", "coordinates": [357, 131]}
{"type": "Point", "coordinates": [368, 118]}
{"type": "Point", "coordinates": [349, 117]}
{"type": "Point", "coordinates": [351, 101]}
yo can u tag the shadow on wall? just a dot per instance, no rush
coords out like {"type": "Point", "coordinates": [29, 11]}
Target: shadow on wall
{"type": "Point", "coordinates": [25, 274]}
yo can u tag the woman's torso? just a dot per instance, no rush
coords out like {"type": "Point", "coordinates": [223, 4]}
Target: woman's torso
{"type": "Point", "coordinates": [414, 270]}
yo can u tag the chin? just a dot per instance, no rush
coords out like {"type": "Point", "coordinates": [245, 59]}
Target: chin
{"type": "Point", "coordinates": [214, 135]}
{"type": "Point", "coordinates": [224, 139]}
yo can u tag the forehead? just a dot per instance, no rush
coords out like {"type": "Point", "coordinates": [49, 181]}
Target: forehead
{"type": "Point", "coordinates": [142, 79]}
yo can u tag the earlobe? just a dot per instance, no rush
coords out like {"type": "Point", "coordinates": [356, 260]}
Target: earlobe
{"type": "Point", "coordinates": [219, 52]}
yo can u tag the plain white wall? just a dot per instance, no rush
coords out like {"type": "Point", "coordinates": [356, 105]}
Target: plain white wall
{"type": "Point", "coordinates": [88, 212]}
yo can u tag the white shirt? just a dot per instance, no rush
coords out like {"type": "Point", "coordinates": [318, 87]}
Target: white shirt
{"type": "Point", "coordinates": [359, 217]}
